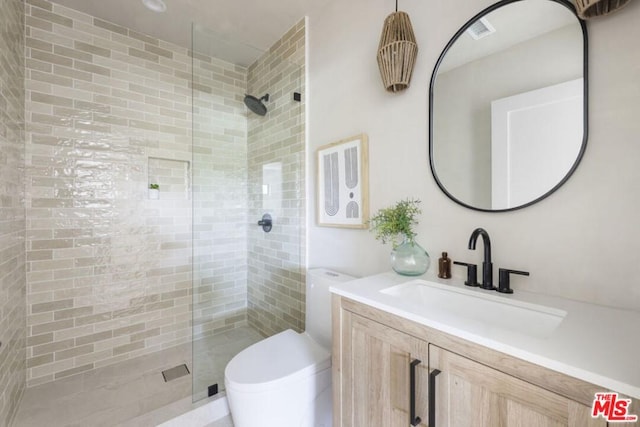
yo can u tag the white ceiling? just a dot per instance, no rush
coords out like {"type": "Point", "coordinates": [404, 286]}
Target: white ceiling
{"type": "Point", "coordinates": [239, 30]}
{"type": "Point", "coordinates": [514, 23]}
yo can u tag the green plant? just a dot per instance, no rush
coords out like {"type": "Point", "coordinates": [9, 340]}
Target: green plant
{"type": "Point", "coordinates": [390, 223]}
{"type": "Point", "coordinates": [154, 186]}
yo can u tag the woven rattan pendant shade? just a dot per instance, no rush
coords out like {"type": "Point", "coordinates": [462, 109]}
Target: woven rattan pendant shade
{"type": "Point", "coordinates": [397, 52]}
{"type": "Point", "coordinates": [591, 8]}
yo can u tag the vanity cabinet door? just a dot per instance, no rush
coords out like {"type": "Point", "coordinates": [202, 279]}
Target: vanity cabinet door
{"type": "Point", "coordinates": [375, 378]}
{"type": "Point", "coordinates": [472, 394]}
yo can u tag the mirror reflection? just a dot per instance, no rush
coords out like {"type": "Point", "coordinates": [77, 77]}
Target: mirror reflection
{"type": "Point", "coordinates": [508, 105]}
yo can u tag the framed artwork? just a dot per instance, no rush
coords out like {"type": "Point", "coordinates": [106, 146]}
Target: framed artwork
{"type": "Point", "coordinates": [343, 183]}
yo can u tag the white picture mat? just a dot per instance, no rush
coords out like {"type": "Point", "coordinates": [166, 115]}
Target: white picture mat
{"type": "Point", "coordinates": [334, 196]}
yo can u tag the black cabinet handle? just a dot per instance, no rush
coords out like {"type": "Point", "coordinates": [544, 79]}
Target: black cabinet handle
{"type": "Point", "coordinates": [432, 397]}
{"type": "Point", "coordinates": [413, 419]}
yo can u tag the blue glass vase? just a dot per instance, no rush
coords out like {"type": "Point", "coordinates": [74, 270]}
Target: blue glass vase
{"type": "Point", "coordinates": [410, 259]}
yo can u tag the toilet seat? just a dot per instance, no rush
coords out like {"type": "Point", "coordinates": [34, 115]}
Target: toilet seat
{"type": "Point", "coordinates": [275, 361]}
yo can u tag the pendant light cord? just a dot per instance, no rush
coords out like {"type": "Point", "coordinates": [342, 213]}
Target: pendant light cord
{"type": "Point", "coordinates": [396, 5]}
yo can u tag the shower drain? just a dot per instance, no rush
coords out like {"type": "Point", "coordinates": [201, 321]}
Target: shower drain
{"type": "Point", "coordinates": [173, 373]}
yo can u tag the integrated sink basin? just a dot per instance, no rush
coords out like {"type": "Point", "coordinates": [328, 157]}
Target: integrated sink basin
{"type": "Point", "coordinates": [477, 309]}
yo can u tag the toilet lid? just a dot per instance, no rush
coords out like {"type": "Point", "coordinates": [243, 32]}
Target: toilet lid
{"type": "Point", "coordinates": [280, 358]}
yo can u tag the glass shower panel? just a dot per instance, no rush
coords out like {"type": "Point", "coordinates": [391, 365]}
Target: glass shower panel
{"type": "Point", "coordinates": [247, 284]}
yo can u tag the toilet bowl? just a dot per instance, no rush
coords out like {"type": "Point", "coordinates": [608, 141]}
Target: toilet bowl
{"type": "Point", "coordinates": [285, 380]}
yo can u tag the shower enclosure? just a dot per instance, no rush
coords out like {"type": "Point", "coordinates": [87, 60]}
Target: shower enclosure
{"type": "Point", "coordinates": [144, 177]}
{"type": "Point", "coordinates": [247, 283]}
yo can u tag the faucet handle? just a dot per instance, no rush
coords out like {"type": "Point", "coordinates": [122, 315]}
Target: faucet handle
{"type": "Point", "coordinates": [472, 273]}
{"type": "Point", "coordinates": [504, 284]}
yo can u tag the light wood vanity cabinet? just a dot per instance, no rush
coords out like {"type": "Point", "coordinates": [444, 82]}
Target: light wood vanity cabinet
{"type": "Point", "coordinates": [376, 365]}
{"type": "Point", "coordinates": [469, 393]}
{"type": "Point", "coordinates": [372, 355]}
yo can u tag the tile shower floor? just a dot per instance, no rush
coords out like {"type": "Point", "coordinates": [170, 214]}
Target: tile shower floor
{"type": "Point", "coordinates": [211, 355]}
{"type": "Point", "coordinates": [133, 392]}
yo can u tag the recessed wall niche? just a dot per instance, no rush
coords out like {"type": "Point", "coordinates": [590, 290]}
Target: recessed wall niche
{"type": "Point", "coordinates": [173, 177]}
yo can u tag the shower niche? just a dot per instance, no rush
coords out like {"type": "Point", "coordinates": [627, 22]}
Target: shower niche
{"type": "Point", "coordinates": [172, 178]}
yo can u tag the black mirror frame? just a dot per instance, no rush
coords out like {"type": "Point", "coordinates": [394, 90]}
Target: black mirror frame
{"type": "Point", "coordinates": [585, 60]}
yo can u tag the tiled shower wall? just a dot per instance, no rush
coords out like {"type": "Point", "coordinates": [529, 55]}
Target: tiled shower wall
{"type": "Point", "coordinates": [276, 186]}
{"type": "Point", "coordinates": [108, 269]}
{"type": "Point", "coordinates": [109, 112]}
{"type": "Point", "coordinates": [12, 219]}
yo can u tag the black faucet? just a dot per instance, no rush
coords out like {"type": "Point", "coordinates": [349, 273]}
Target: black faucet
{"type": "Point", "coordinates": [487, 266]}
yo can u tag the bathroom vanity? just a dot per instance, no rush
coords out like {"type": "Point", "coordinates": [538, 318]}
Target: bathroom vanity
{"type": "Point", "coordinates": [434, 352]}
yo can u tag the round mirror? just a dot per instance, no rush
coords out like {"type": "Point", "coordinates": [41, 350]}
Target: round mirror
{"type": "Point", "coordinates": [508, 105]}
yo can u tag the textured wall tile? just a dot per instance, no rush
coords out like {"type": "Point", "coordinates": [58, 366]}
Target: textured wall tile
{"type": "Point", "coordinates": [276, 284]}
{"type": "Point", "coordinates": [39, 360]}
{"type": "Point", "coordinates": [12, 209]}
{"type": "Point", "coordinates": [52, 347]}
{"type": "Point", "coordinates": [110, 270]}
{"type": "Point", "coordinates": [95, 93]}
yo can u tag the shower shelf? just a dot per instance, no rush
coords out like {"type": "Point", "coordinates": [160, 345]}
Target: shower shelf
{"type": "Point", "coordinates": [173, 177]}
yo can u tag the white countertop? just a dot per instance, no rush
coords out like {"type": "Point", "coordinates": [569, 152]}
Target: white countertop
{"type": "Point", "coordinates": [597, 344]}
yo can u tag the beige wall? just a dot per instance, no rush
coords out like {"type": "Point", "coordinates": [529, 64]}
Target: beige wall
{"type": "Point", "coordinates": [12, 219]}
{"type": "Point", "coordinates": [582, 242]}
{"type": "Point", "coordinates": [276, 283]}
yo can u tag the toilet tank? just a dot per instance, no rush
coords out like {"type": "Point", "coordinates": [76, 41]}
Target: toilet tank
{"type": "Point", "coordinates": [318, 298]}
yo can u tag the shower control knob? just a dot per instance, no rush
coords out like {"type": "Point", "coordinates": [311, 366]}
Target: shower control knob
{"type": "Point", "coordinates": [266, 223]}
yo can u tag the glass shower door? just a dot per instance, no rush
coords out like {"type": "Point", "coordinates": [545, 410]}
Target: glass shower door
{"type": "Point", "coordinates": [247, 284]}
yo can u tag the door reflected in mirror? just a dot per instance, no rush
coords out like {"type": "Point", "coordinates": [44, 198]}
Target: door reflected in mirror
{"type": "Point", "coordinates": [508, 105]}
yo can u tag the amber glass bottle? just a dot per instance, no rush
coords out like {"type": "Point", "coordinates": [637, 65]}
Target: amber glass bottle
{"type": "Point", "coordinates": [444, 266]}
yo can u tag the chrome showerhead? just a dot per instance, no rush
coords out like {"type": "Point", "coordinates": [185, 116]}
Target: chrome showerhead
{"type": "Point", "coordinates": [256, 105]}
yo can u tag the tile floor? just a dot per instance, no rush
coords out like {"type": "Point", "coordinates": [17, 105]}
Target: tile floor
{"type": "Point", "coordinates": [133, 392]}
{"type": "Point", "coordinates": [108, 396]}
{"type": "Point", "coordinates": [211, 355]}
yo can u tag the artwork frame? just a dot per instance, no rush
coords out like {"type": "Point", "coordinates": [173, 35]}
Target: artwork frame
{"type": "Point", "coordinates": [342, 192]}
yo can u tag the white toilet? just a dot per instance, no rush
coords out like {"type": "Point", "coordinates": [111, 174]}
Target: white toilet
{"type": "Point", "coordinates": [285, 380]}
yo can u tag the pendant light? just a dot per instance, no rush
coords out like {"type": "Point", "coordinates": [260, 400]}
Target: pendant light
{"type": "Point", "coordinates": [593, 8]}
{"type": "Point", "coordinates": [397, 51]}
